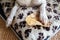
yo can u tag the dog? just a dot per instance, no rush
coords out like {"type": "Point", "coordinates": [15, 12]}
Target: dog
{"type": "Point", "coordinates": [28, 3]}
{"type": "Point", "coordinates": [35, 32]}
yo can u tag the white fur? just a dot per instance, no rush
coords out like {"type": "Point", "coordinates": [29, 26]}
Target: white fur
{"type": "Point", "coordinates": [24, 2]}
{"type": "Point", "coordinates": [43, 15]}
{"type": "Point", "coordinates": [10, 18]}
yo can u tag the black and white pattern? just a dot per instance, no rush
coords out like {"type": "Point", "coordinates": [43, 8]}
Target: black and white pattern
{"type": "Point", "coordinates": [7, 6]}
{"type": "Point", "coordinates": [37, 32]}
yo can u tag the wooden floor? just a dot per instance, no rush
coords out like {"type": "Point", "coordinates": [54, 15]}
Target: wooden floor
{"type": "Point", "coordinates": [7, 33]}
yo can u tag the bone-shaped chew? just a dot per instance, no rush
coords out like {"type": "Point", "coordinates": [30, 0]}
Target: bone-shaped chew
{"type": "Point", "coordinates": [31, 20]}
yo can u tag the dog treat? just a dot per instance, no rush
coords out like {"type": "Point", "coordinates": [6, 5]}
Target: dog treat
{"type": "Point", "coordinates": [33, 20]}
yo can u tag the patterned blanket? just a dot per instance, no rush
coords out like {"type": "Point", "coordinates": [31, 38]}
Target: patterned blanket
{"type": "Point", "coordinates": [37, 32]}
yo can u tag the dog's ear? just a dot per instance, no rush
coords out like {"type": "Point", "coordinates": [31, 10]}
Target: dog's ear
{"type": "Point", "coordinates": [2, 12]}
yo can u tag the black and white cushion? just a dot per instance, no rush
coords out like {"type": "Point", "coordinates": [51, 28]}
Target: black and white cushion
{"type": "Point", "coordinates": [37, 32]}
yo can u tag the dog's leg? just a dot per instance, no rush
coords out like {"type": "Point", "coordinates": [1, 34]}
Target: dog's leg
{"type": "Point", "coordinates": [13, 12]}
{"type": "Point", "coordinates": [43, 15]}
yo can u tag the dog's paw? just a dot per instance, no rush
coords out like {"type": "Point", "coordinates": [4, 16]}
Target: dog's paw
{"type": "Point", "coordinates": [8, 23]}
